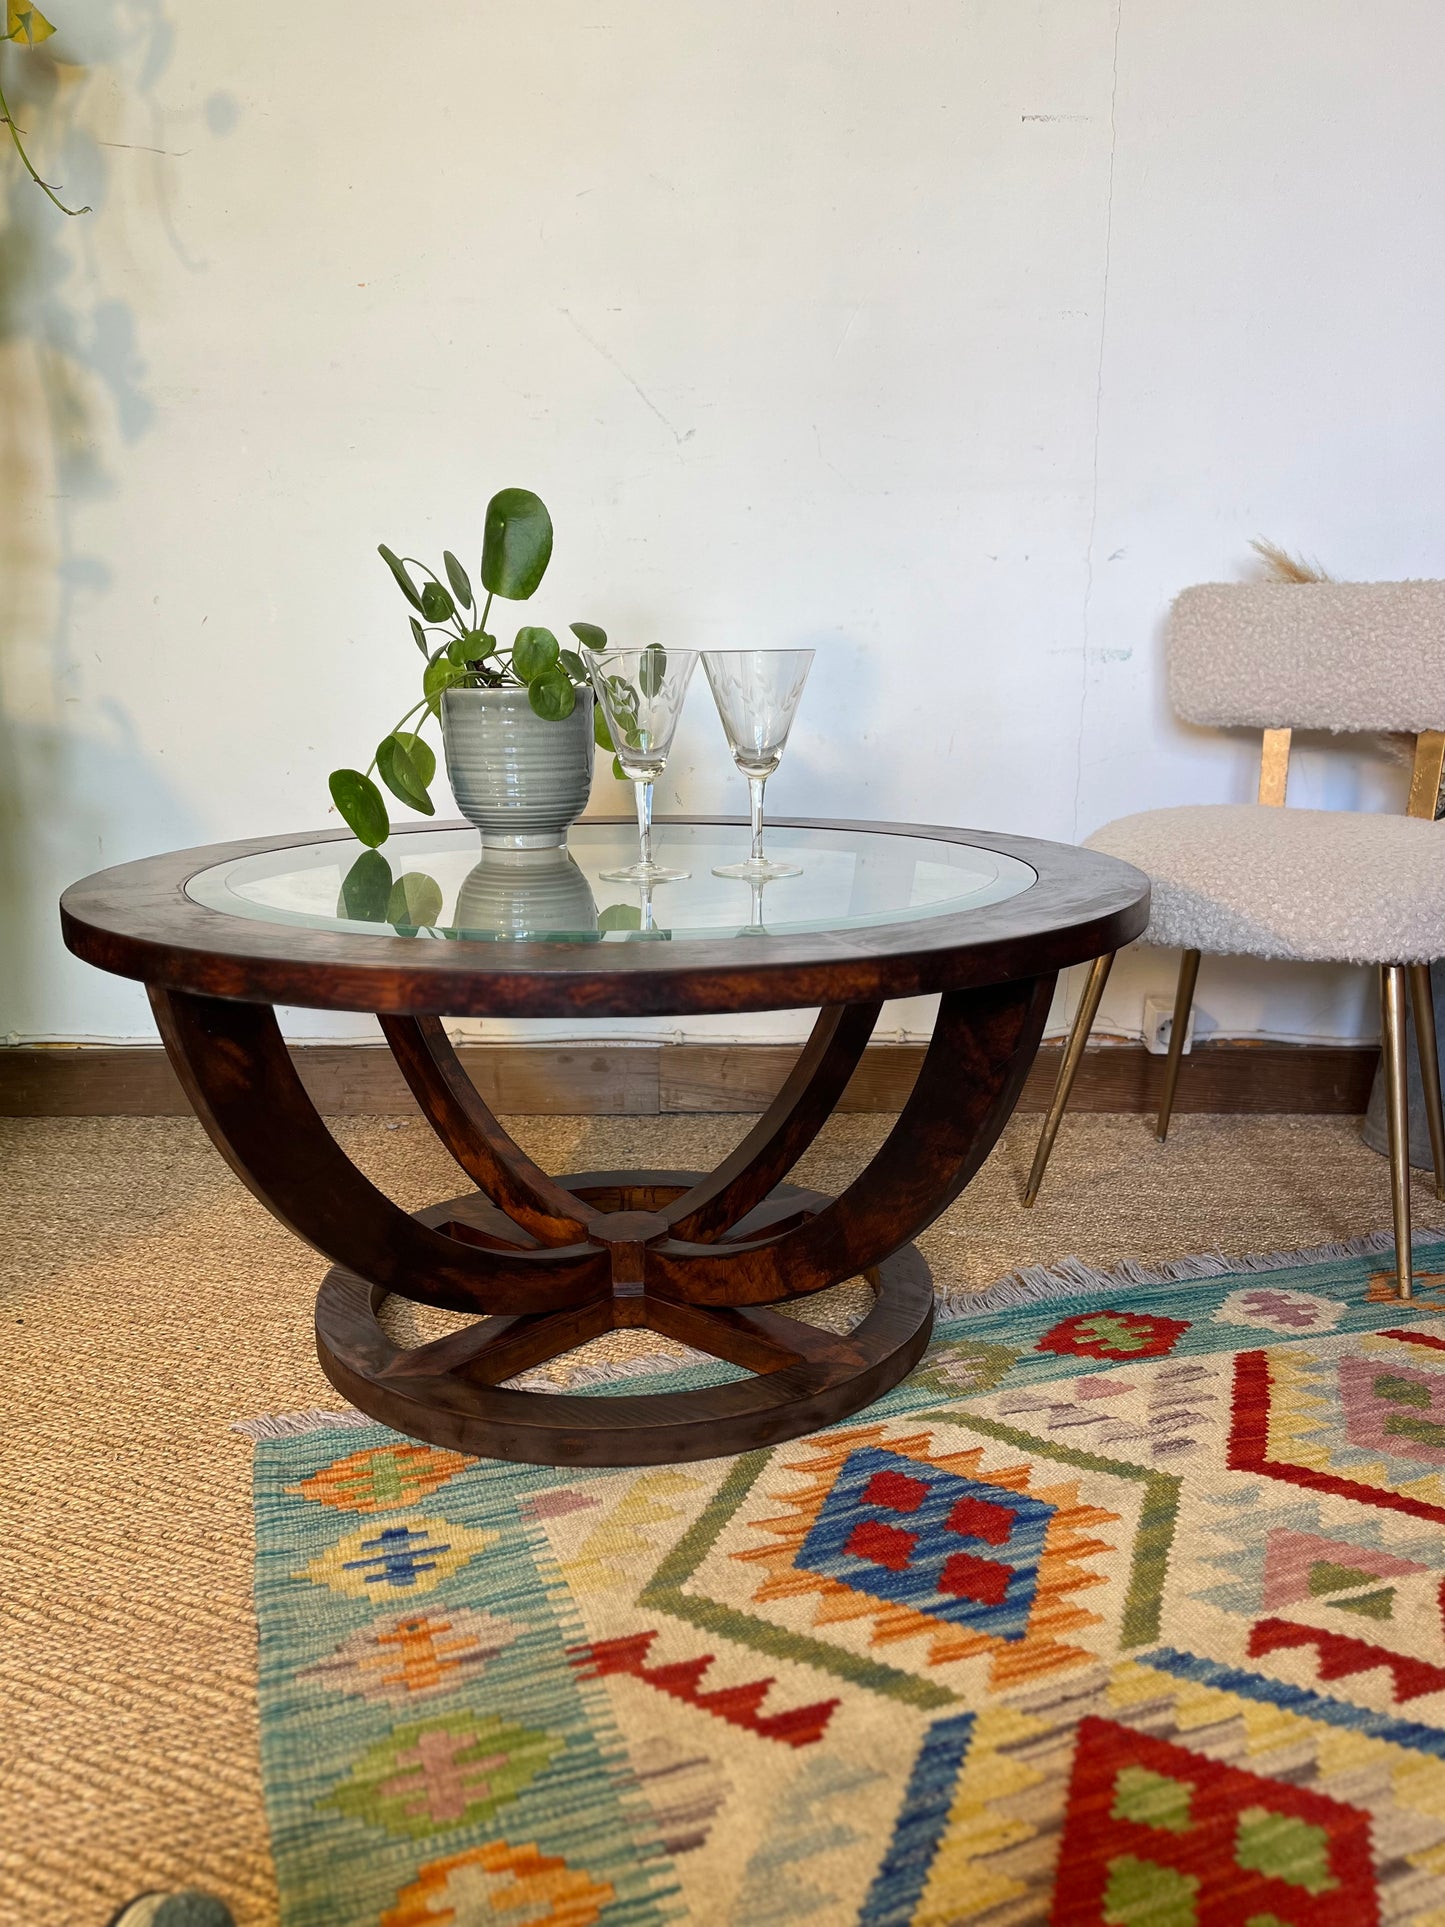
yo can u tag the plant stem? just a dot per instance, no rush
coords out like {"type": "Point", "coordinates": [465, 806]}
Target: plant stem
{"type": "Point", "coordinates": [425, 703]}
{"type": "Point", "coordinates": [44, 186]}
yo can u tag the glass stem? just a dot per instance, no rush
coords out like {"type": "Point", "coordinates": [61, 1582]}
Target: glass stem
{"type": "Point", "coordinates": [755, 801]}
{"type": "Point", "coordinates": [644, 823]}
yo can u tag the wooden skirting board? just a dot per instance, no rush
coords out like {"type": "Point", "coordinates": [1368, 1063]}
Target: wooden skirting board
{"type": "Point", "coordinates": [648, 1080]}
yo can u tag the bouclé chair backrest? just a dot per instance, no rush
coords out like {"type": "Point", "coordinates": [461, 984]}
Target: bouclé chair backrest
{"type": "Point", "coordinates": [1310, 655]}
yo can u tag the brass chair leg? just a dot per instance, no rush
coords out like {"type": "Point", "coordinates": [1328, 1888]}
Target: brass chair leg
{"type": "Point", "coordinates": [1422, 1002]}
{"type": "Point", "coordinates": [1073, 1053]}
{"type": "Point", "coordinates": [1397, 1113]}
{"type": "Point", "coordinates": [1183, 1003]}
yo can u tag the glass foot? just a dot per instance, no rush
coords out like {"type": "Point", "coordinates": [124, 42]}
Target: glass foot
{"type": "Point", "coordinates": [761, 871]}
{"type": "Point", "coordinates": [644, 873]}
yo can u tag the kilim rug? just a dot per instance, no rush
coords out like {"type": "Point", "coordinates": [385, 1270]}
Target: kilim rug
{"type": "Point", "coordinates": [1124, 1611]}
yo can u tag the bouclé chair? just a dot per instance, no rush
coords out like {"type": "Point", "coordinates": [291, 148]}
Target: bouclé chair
{"type": "Point", "coordinates": [1309, 886]}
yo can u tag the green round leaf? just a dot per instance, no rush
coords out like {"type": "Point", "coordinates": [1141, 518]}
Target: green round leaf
{"type": "Point", "coordinates": [574, 665]}
{"type": "Point", "coordinates": [534, 652]}
{"type": "Point", "coordinates": [590, 636]}
{"type": "Point", "coordinates": [421, 753]}
{"type": "Point", "coordinates": [415, 901]}
{"type": "Point", "coordinates": [619, 772]}
{"type": "Point", "coordinates": [516, 544]}
{"type": "Point", "coordinates": [620, 916]}
{"type": "Point", "coordinates": [403, 580]}
{"type": "Point", "coordinates": [365, 889]}
{"type": "Point", "coordinates": [601, 734]}
{"type": "Point", "coordinates": [551, 694]}
{"type": "Point", "coordinates": [440, 673]}
{"type": "Point", "coordinates": [457, 576]}
{"type": "Point", "coordinates": [436, 604]}
{"type": "Point", "coordinates": [360, 803]}
{"type": "Point", "coordinates": [401, 776]}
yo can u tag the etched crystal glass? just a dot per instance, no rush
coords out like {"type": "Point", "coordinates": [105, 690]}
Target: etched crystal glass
{"type": "Point", "coordinates": [757, 693]}
{"type": "Point", "coordinates": [641, 692]}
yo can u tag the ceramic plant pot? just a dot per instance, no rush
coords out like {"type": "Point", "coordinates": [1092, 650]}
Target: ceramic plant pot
{"type": "Point", "coordinates": [520, 779]}
{"type": "Point", "coordinates": [516, 894]}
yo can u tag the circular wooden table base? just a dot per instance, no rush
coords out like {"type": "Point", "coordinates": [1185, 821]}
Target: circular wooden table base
{"type": "Point", "coordinates": [448, 1392]}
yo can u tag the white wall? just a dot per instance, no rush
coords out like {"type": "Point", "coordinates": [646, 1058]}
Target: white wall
{"type": "Point", "coordinates": [952, 336]}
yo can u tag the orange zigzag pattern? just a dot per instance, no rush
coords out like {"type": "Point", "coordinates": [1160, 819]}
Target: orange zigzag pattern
{"type": "Point", "coordinates": [738, 1705]}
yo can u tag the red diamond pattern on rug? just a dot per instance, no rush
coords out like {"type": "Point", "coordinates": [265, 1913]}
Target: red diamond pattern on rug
{"type": "Point", "coordinates": [1113, 1334]}
{"type": "Point", "coordinates": [1158, 1836]}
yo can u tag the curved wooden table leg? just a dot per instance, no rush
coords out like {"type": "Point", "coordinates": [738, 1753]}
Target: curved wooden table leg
{"type": "Point", "coordinates": [238, 1074]}
{"type": "Point", "coordinates": [448, 1392]}
{"type": "Point", "coordinates": [492, 1158]}
{"type": "Point", "coordinates": [785, 1130]}
{"type": "Point", "coordinates": [982, 1047]}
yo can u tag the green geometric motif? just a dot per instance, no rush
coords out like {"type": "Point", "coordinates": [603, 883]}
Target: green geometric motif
{"type": "Point", "coordinates": [442, 1773]}
{"type": "Point", "coordinates": [1141, 1894]}
{"type": "Point", "coordinates": [963, 1366]}
{"type": "Point", "coordinates": [1285, 1848]}
{"type": "Point", "coordinates": [1152, 1800]}
{"type": "Point", "coordinates": [1325, 1576]}
{"type": "Point", "coordinates": [1374, 1605]}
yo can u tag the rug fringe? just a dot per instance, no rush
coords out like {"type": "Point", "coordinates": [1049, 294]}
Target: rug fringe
{"type": "Point", "coordinates": [1071, 1277]}
{"type": "Point", "coordinates": [295, 1425]}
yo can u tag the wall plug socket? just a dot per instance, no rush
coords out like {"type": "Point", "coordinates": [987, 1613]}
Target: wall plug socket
{"type": "Point", "coordinates": [1158, 1024]}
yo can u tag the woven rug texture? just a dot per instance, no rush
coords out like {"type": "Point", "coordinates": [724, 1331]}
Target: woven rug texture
{"type": "Point", "coordinates": [1125, 1610]}
{"type": "Point", "coordinates": [150, 1304]}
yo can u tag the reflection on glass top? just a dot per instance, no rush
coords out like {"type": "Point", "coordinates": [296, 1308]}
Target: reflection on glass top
{"type": "Point", "coordinates": [442, 883]}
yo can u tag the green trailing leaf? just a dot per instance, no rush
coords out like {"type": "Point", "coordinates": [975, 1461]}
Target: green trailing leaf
{"type": "Point", "coordinates": [418, 636]}
{"type": "Point", "coordinates": [620, 916]}
{"type": "Point", "coordinates": [516, 544]}
{"type": "Point", "coordinates": [463, 649]}
{"type": "Point", "coordinates": [26, 24]}
{"type": "Point", "coordinates": [365, 889]}
{"type": "Point", "coordinates": [436, 604]}
{"type": "Point", "coordinates": [619, 772]}
{"type": "Point", "coordinates": [574, 665]}
{"type": "Point", "coordinates": [440, 673]}
{"type": "Point", "coordinates": [397, 769]}
{"type": "Point", "coordinates": [421, 753]}
{"type": "Point", "coordinates": [590, 636]}
{"type": "Point", "coordinates": [403, 580]}
{"type": "Point", "coordinates": [459, 579]}
{"type": "Point", "coordinates": [534, 652]}
{"type": "Point", "coordinates": [652, 670]}
{"type": "Point", "coordinates": [552, 696]}
{"type": "Point", "coordinates": [415, 902]}
{"type": "Point", "coordinates": [601, 734]}
{"type": "Point", "coordinates": [361, 805]}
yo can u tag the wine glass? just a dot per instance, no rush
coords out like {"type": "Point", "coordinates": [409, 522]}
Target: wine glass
{"type": "Point", "coordinates": [641, 693]}
{"type": "Point", "coordinates": [757, 692]}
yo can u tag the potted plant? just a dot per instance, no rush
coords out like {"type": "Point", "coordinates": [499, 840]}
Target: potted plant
{"type": "Point", "coordinates": [518, 722]}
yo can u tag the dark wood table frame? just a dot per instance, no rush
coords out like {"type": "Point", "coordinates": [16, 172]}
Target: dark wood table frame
{"type": "Point", "coordinates": [545, 1264]}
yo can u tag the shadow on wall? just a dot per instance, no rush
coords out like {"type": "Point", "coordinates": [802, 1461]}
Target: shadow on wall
{"type": "Point", "coordinates": [72, 388]}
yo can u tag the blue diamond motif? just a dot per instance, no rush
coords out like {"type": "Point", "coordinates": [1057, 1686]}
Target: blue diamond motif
{"type": "Point", "coordinates": [952, 1548]}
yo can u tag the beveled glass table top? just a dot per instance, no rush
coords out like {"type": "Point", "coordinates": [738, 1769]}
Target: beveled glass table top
{"type": "Point", "coordinates": [440, 883]}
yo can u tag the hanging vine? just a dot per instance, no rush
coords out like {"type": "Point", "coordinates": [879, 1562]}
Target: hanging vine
{"type": "Point", "coordinates": [28, 27]}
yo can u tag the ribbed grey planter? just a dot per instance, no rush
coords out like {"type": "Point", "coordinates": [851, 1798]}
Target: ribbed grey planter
{"type": "Point", "coordinates": [523, 781]}
{"type": "Point", "coordinates": [526, 893]}
{"type": "Point", "coordinates": [1375, 1134]}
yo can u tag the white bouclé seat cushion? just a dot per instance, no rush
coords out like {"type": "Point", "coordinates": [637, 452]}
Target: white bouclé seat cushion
{"type": "Point", "coordinates": [1317, 886]}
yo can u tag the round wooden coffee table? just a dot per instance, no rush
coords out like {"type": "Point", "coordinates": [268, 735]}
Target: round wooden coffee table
{"type": "Point", "coordinates": [436, 926]}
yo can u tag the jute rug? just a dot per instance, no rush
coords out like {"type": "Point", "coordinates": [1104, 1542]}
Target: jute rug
{"type": "Point", "coordinates": [149, 1304]}
{"type": "Point", "coordinates": [1124, 1611]}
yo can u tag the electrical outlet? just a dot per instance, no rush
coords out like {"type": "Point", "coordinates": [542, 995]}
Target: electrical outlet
{"type": "Point", "coordinates": [1159, 1023]}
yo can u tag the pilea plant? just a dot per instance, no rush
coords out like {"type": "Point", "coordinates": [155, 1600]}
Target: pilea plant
{"type": "Point", "coordinates": [27, 27]}
{"type": "Point", "coordinates": [516, 548]}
